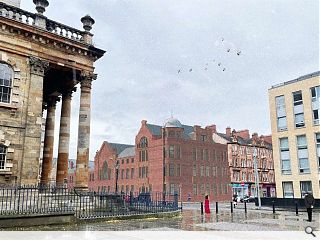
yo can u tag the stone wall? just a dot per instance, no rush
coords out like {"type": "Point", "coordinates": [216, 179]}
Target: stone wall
{"type": "Point", "coordinates": [13, 117]}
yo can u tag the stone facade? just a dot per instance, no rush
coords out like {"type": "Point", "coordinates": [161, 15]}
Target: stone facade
{"type": "Point", "coordinates": [46, 58]}
{"type": "Point", "coordinates": [173, 158]}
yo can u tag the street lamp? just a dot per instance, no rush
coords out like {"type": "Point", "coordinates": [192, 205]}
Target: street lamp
{"type": "Point", "coordinates": [257, 176]}
{"type": "Point", "coordinates": [117, 166]}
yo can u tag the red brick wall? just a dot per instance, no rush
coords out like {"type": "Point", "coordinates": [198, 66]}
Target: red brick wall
{"type": "Point", "coordinates": [217, 157]}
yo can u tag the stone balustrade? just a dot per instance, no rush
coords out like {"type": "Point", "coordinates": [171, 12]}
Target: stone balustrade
{"type": "Point", "coordinates": [28, 18]}
{"type": "Point", "coordinates": [64, 30]}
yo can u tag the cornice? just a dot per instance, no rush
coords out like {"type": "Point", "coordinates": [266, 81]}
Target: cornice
{"type": "Point", "coordinates": [55, 41]}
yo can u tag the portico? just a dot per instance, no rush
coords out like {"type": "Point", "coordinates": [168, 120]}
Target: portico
{"type": "Point", "coordinates": [52, 59]}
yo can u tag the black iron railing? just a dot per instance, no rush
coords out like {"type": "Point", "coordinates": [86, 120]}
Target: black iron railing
{"type": "Point", "coordinates": [40, 199]}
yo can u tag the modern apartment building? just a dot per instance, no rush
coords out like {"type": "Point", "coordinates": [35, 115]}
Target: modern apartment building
{"type": "Point", "coordinates": [294, 112]}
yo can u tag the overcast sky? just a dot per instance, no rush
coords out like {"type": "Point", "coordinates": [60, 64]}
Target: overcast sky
{"type": "Point", "coordinates": [148, 41]}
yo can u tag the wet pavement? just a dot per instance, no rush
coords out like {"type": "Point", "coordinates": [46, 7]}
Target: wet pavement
{"type": "Point", "coordinates": [192, 220]}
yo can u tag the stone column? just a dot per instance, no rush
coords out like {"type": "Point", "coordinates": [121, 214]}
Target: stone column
{"type": "Point", "coordinates": [29, 165]}
{"type": "Point", "coordinates": [82, 170]}
{"type": "Point", "coordinates": [64, 137]}
{"type": "Point", "coordinates": [48, 142]}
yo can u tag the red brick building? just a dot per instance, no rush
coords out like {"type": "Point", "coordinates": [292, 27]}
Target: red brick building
{"type": "Point", "coordinates": [241, 149]}
{"type": "Point", "coordinates": [172, 158]}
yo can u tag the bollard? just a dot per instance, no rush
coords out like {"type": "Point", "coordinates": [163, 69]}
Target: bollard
{"type": "Point", "coordinates": [201, 208]}
{"type": "Point", "coordinates": [217, 210]}
{"type": "Point", "coordinates": [273, 208]}
{"type": "Point", "coordinates": [245, 207]}
{"type": "Point", "coordinates": [297, 212]}
{"type": "Point", "coordinates": [231, 205]}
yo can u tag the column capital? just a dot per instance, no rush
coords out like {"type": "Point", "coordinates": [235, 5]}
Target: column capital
{"type": "Point", "coordinates": [38, 66]}
{"type": "Point", "coordinates": [68, 92]}
{"type": "Point", "coordinates": [52, 101]}
{"type": "Point", "coordinates": [87, 78]}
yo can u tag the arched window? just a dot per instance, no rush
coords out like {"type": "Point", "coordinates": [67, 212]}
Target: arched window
{"type": "Point", "coordinates": [143, 142]}
{"type": "Point", "coordinates": [143, 153]}
{"type": "Point", "coordinates": [6, 74]}
{"type": "Point", "coordinates": [3, 153]}
{"type": "Point", "coordinates": [105, 171]}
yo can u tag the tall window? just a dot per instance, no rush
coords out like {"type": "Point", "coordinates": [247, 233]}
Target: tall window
{"type": "Point", "coordinates": [201, 171]}
{"type": "Point", "coordinates": [281, 113]}
{"type": "Point", "coordinates": [143, 153]}
{"type": "Point", "coordinates": [105, 171]}
{"type": "Point", "coordinates": [206, 154]}
{"type": "Point", "coordinates": [178, 149]}
{"type": "Point", "coordinates": [287, 189]}
{"type": "Point", "coordinates": [194, 154]}
{"type": "Point", "coordinates": [6, 73]}
{"type": "Point", "coordinates": [171, 151]}
{"type": "Point", "coordinates": [315, 98]}
{"type": "Point", "coordinates": [318, 148]}
{"type": "Point", "coordinates": [3, 152]}
{"type": "Point", "coordinates": [127, 173]}
{"type": "Point", "coordinates": [207, 171]}
{"type": "Point", "coordinates": [172, 188]}
{"type": "Point", "coordinates": [285, 156]}
{"type": "Point", "coordinates": [305, 187]}
{"type": "Point", "coordinates": [298, 109]}
{"type": "Point", "coordinates": [171, 170]}
{"type": "Point", "coordinates": [194, 170]}
{"type": "Point", "coordinates": [178, 170]}
{"type": "Point", "coordinates": [303, 154]}
{"type": "Point", "coordinates": [195, 192]}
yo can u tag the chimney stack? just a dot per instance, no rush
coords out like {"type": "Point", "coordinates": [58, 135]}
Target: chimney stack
{"type": "Point", "coordinates": [228, 131]}
{"type": "Point", "coordinates": [213, 127]}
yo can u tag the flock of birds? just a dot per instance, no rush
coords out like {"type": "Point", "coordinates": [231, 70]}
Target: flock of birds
{"type": "Point", "coordinates": [228, 48]}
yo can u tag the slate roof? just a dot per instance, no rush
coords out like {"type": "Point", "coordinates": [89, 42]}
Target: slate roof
{"type": "Point", "coordinates": [128, 152]}
{"type": "Point", "coordinates": [156, 130]}
{"type": "Point", "coordinates": [119, 147]}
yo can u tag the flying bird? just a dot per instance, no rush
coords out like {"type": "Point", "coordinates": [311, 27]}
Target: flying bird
{"type": "Point", "coordinates": [224, 69]}
{"type": "Point", "coordinates": [206, 69]}
{"type": "Point", "coordinates": [179, 71]}
{"type": "Point", "coordinates": [219, 64]}
{"type": "Point", "coordinates": [190, 70]}
{"type": "Point", "coordinates": [228, 50]}
{"type": "Point", "coordinates": [238, 53]}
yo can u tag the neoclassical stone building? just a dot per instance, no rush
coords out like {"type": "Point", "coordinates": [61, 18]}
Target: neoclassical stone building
{"type": "Point", "coordinates": [41, 62]}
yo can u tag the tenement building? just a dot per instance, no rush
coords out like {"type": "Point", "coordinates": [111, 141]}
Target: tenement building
{"type": "Point", "coordinates": [294, 112]}
{"type": "Point", "coordinates": [169, 158]}
{"type": "Point", "coordinates": [41, 62]}
{"type": "Point", "coordinates": [244, 151]}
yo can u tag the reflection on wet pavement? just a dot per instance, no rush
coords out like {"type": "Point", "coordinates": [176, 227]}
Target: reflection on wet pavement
{"type": "Point", "coordinates": [192, 220]}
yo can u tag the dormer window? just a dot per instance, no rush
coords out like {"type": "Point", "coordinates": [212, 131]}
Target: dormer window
{"type": "Point", "coordinates": [203, 138]}
{"type": "Point", "coordinates": [6, 74]}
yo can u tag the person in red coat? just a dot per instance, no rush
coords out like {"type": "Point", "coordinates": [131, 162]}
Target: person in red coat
{"type": "Point", "coordinates": [206, 204]}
